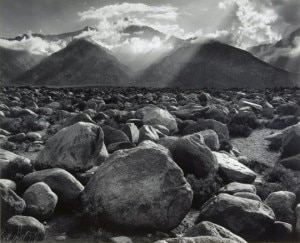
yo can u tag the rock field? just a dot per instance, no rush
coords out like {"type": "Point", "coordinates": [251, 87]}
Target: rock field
{"type": "Point", "coordinates": [130, 165]}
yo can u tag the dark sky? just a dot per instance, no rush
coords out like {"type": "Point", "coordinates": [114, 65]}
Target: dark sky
{"type": "Point", "coordinates": [57, 16]}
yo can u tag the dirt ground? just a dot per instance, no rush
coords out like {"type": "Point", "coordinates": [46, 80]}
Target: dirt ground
{"type": "Point", "coordinates": [255, 147]}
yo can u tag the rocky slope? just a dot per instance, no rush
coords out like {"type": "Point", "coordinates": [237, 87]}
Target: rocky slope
{"type": "Point", "coordinates": [214, 64]}
{"type": "Point", "coordinates": [14, 63]}
{"type": "Point", "coordinates": [81, 63]}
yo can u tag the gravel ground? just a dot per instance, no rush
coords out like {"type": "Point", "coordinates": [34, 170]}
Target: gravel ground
{"type": "Point", "coordinates": [255, 147]}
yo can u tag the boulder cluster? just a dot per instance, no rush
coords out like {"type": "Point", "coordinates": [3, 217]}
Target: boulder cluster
{"type": "Point", "coordinates": [131, 163]}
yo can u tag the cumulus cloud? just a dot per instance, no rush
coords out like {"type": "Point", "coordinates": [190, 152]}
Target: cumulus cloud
{"type": "Point", "coordinates": [252, 22]}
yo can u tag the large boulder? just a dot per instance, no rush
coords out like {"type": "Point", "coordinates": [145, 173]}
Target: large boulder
{"type": "Point", "coordinates": [148, 132]}
{"type": "Point", "coordinates": [235, 187]}
{"type": "Point", "coordinates": [13, 165]}
{"type": "Point", "coordinates": [113, 135]}
{"type": "Point", "coordinates": [116, 192]}
{"type": "Point", "coordinates": [232, 170]}
{"type": "Point", "coordinates": [292, 162]}
{"type": "Point", "coordinates": [11, 204]}
{"type": "Point", "coordinates": [207, 228]}
{"type": "Point", "coordinates": [25, 228]}
{"type": "Point", "coordinates": [291, 143]}
{"type": "Point", "coordinates": [61, 182]}
{"type": "Point", "coordinates": [132, 132]}
{"type": "Point", "coordinates": [247, 218]}
{"type": "Point", "coordinates": [211, 139]}
{"type": "Point", "coordinates": [194, 157]}
{"type": "Point", "coordinates": [276, 138]}
{"type": "Point", "coordinates": [199, 239]}
{"type": "Point", "coordinates": [201, 125]}
{"type": "Point", "coordinates": [74, 148]}
{"type": "Point", "coordinates": [40, 200]}
{"type": "Point", "coordinates": [283, 204]}
{"type": "Point", "coordinates": [9, 184]}
{"type": "Point", "coordinates": [153, 115]}
{"type": "Point", "coordinates": [73, 119]}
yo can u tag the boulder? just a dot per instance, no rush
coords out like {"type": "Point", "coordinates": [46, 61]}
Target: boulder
{"type": "Point", "coordinates": [33, 136]}
{"type": "Point", "coordinates": [211, 139]}
{"type": "Point", "coordinates": [116, 192]}
{"type": "Point", "coordinates": [276, 138]}
{"type": "Point", "coordinates": [81, 117]}
{"type": "Point", "coordinates": [112, 135]}
{"type": "Point", "coordinates": [247, 218]}
{"type": "Point", "coordinates": [9, 184]}
{"type": "Point", "coordinates": [199, 239]}
{"type": "Point", "coordinates": [13, 165]}
{"type": "Point", "coordinates": [17, 138]}
{"type": "Point", "coordinates": [40, 201]}
{"type": "Point", "coordinates": [61, 182]}
{"type": "Point", "coordinates": [292, 162]}
{"type": "Point", "coordinates": [25, 228]}
{"type": "Point", "coordinates": [11, 204]}
{"type": "Point", "coordinates": [194, 157]}
{"type": "Point", "coordinates": [288, 109]}
{"type": "Point", "coordinates": [153, 115]}
{"type": "Point", "coordinates": [291, 143]}
{"type": "Point", "coordinates": [232, 170]}
{"type": "Point", "coordinates": [252, 105]}
{"type": "Point", "coordinates": [121, 239]}
{"type": "Point", "coordinates": [74, 148]}
{"type": "Point", "coordinates": [147, 132]}
{"type": "Point", "coordinates": [283, 204]}
{"type": "Point", "coordinates": [12, 125]}
{"type": "Point", "coordinates": [132, 132]}
{"type": "Point", "coordinates": [282, 232]}
{"type": "Point", "coordinates": [235, 187]}
{"type": "Point", "coordinates": [207, 228]}
{"type": "Point", "coordinates": [220, 128]}
{"type": "Point", "coordinates": [248, 195]}
{"type": "Point", "coordinates": [282, 122]}
{"type": "Point", "coordinates": [119, 145]}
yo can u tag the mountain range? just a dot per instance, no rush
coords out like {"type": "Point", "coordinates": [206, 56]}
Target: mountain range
{"type": "Point", "coordinates": [85, 63]}
{"type": "Point", "coordinates": [81, 63]}
{"type": "Point", "coordinates": [284, 54]}
{"type": "Point", "coordinates": [213, 64]}
{"type": "Point", "coordinates": [15, 62]}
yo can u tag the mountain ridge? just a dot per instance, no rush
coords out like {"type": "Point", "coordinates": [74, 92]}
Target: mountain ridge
{"type": "Point", "coordinates": [80, 63]}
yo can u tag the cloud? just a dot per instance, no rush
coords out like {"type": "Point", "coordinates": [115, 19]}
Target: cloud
{"type": "Point", "coordinates": [251, 23]}
{"type": "Point", "coordinates": [135, 51]}
{"type": "Point", "coordinates": [288, 10]}
{"type": "Point", "coordinates": [35, 45]}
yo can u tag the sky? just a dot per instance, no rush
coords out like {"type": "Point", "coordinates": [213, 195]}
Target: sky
{"type": "Point", "coordinates": [241, 23]}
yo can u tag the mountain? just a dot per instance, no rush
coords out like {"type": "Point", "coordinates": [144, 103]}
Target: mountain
{"type": "Point", "coordinates": [81, 63]}
{"type": "Point", "coordinates": [284, 54]}
{"type": "Point", "coordinates": [214, 64]}
{"type": "Point", "coordinates": [15, 62]}
{"type": "Point", "coordinates": [64, 36]}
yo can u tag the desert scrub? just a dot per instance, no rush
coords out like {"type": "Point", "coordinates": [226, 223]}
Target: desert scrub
{"type": "Point", "coordinates": [279, 178]}
{"type": "Point", "coordinates": [242, 124]}
{"type": "Point", "coordinates": [203, 189]}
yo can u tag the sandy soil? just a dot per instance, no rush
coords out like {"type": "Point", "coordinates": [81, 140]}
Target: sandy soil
{"type": "Point", "coordinates": [255, 147]}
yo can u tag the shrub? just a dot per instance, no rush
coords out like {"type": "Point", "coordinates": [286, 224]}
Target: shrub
{"type": "Point", "coordinates": [279, 178]}
{"type": "Point", "coordinates": [203, 189]}
{"type": "Point", "coordinates": [242, 124]}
